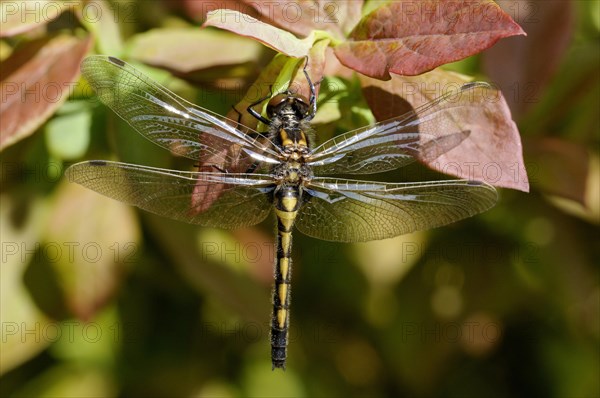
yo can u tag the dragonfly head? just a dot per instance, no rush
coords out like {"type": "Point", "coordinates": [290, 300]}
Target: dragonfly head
{"type": "Point", "coordinates": [287, 103]}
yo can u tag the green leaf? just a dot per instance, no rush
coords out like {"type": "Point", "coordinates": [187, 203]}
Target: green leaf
{"type": "Point", "coordinates": [68, 134]}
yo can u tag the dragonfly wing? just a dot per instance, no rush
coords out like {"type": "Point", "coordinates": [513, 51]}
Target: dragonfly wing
{"type": "Point", "coordinates": [224, 200]}
{"type": "Point", "coordinates": [358, 211]}
{"type": "Point", "coordinates": [425, 133]}
{"type": "Point", "coordinates": [170, 121]}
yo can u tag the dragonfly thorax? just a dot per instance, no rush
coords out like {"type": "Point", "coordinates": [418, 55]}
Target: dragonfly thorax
{"type": "Point", "coordinates": [292, 173]}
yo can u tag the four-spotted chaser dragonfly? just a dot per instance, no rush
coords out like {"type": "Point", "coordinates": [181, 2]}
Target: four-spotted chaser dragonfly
{"type": "Point", "coordinates": [246, 174]}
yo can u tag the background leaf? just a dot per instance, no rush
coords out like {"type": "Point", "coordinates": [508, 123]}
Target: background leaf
{"type": "Point", "coordinates": [94, 259]}
{"type": "Point", "coordinates": [15, 22]}
{"type": "Point", "coordinates": [302, 17]}
{"type": "Point", "coordinates": [409, 38]}
{"type": "Point", "coordinates": [524, 67]}
{"type": "Point", "coordinates": [36, 80]}
{"type": "Point", "coordinates": [176, 50]}
{"type": "Point", "coordinates": [492, 152]}
{"type": "Point", "coordinates": [269, 35]}
{"type": "Point", "coordinates": [17, 309]}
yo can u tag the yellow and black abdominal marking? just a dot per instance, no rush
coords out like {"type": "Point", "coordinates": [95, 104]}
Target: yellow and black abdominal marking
{"type": "Point", "coordinates": [282, 171]}
{"type": "Point", "coordinates": [287, 202]}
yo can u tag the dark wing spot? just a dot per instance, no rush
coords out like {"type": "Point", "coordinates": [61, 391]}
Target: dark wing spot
{"type": "Point", "coordinates": [97, 163]}
{"type": "Point", "coordinates": [468, 85]}
{"type": "Point", "coordinates": [116, 61]}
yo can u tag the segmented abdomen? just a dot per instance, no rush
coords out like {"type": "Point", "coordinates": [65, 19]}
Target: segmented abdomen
{"type": "Point", "coordinates": [287, 201]}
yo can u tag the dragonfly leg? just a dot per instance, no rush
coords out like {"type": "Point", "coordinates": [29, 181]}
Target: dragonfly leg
{"type": "Point", "coordinates": [256, 114]}
{"type": "Point", "coordinates": [313, 96]}
{"type": "Point", "coordinates": [253, 134]}
{"type": "Point", "coordinates": [239, 118]}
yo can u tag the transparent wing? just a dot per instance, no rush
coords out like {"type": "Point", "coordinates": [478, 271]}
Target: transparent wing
{"type": "Point", "coordinates": [358, 211]}
{"type": "Point", "coordinates": [425, 133]}
{"type": "Point", "coordinates": [224, 200]}
{"type": "Point", "coordinates": [170, 121]}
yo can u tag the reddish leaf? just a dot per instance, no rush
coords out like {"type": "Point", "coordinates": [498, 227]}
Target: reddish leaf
{"type": "Point", "coordinates": [18, 17]}
{"type": "Point", "coordinates": [302, 16]}
{"type": "Point", "coordinates": [492, 151]}
{"type": "Point", "coordinates": [409, 38]}
{"type": "Point", "coordinates": [36, 80]}
{"type": "Point", "coordinates": [245, 25]}
{"type": "Point", "coordinates": [333, 67]}
{"type": "Point", "coordinates": [522, 68]}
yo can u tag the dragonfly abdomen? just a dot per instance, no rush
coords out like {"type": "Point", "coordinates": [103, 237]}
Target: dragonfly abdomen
{"type": "Point", "coordinates": [287, 202]}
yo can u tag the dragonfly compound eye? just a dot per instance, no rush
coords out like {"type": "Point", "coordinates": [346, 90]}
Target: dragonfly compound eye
{"type": "Point", "coordinates": [296, 103]}
{"type": "Point", "coordinates": [275, 104]}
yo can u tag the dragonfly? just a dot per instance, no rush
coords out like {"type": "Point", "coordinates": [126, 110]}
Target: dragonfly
{"type": "Point", "coordinates": [244, 175]}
